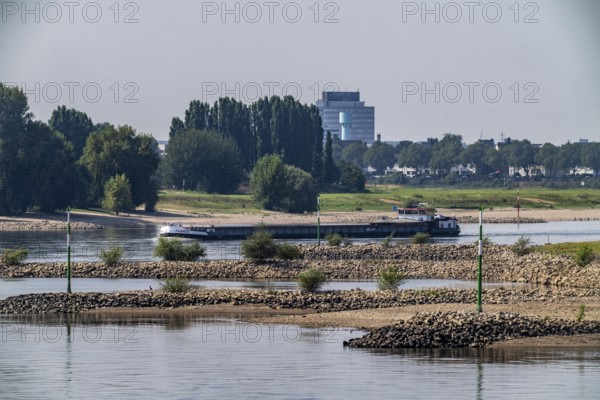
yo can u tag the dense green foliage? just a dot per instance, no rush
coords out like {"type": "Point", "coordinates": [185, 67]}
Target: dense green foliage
{"type": "Point", "coordinates": [351, 177]}
{"type": "Point", "coordinates": [287, 251]}
{"type": "Point", "coordinates": [176, 285]}
{"type": "Point", "coordinates": [275, 125]}
{"type": "Point", "coordinates": [584, 255]}
{"type": "Point", "coordinates": [330, 170]}
{"type": "Point", "coordinates": [334, 239]}
{"type": "Point", "coordinates": [379, 156]}
{"type": "Point", "coordinates": [522, 246]}
{"type": "Point", "coordinates": [311, 280]}
{"type": "Point", "coordinates": [112, 257]}
{"type": "Point", "coordinates": [113, 151]}
{"type": "Point", "coordinates": [390, 278]}
{"type": "Point", "coordinates": [14, 256]}
{"type": "Point", "coordinates": [74, 125]}
{"type": "Point", "coordinates": [172, 249]}
{"type": "Point", "coordinates": [36, 163]}
{"type": "Point", "coordinates": [354, 152]}
{"type": "Point", "coordinates": [259, 246]}
{"type": "Point", "coordinates": [117, 194]}
{"type": "Point", "coordinates": [206, 161]}
{"type": "Point", "coordinates": [277, 186]}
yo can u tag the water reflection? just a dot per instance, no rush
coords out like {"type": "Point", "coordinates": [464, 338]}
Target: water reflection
{"type": "Point", "coordinates": [171, 355]}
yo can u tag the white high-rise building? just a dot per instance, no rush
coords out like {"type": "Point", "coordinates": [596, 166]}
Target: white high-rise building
{"type": "Point", "coordinates": [363, 117]}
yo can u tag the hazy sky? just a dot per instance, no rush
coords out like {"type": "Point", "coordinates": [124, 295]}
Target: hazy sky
{"type": "Point", "coordinates": [528, 69]}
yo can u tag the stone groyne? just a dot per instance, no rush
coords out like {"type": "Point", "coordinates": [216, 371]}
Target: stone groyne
{"type": "Point", "coordinates": [45, 225]}
{"type": "Point", "coordinates": [463, 329]}
{"type": "Point", "coordinates": [320, 301]}
{"type": "Point", "coordinates": [431, 261]}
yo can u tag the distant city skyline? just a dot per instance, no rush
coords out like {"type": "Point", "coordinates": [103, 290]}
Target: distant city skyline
{"type": "Point", "coordinates": [528, 69]}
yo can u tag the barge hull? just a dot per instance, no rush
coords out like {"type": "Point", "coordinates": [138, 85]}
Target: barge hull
{"type": "Point", "coordinates": [373, 230]}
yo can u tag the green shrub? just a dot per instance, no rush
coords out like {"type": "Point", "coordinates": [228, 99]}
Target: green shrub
{"type": "Point", "coordinates": [287, 251]}
{"type": "Point", "coordinates": [174, 250]}
{"type": "Point", "coordinates": [522, 246]}
{"type": "Point", "coordinates": [580, 313]}
{"type": "Point", "coordinates": [14, 256]}
{"type": "Point", "coordinates": [390, 279]}
{"type": "Point", "coordinates": [176, 285]}
{"type": "Point", "coordinates": [112, 256]}
{"type": "Point", "coordinates": [584, 255]}
{"type": "Point", "coordinates": [259, 246]}
{"type": "Point", "coordinates": [486, 241]}
{"type": "Point", "coordinates": [420, 238]}
{"type": "Point", "coordinates": [311, 280]}
{"type": "Point", "coordinates": [334, 239]}
{"type": "Point", "coordinates": [387, 242]}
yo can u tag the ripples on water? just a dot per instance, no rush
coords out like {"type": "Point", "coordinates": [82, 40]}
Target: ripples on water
{"type": "Point", "coordinates": [182, 356]}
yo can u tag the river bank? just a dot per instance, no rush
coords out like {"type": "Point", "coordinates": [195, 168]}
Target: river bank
{"type": "Point", "coordinates": [95, 220]}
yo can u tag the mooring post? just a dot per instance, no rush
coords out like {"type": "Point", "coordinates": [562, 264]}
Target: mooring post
{"type": "Point", "coordinates": [480, 259]}
{"type": "Point", "coordinates": [68, 249]}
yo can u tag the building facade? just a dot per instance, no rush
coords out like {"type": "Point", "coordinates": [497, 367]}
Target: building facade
{"type": "Point", "coordinates": [363, 117]}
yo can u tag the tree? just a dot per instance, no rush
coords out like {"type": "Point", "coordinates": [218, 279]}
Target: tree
{"type": "Point", "coordinates": [444, 154]}
{"type": "Point", "coordinates": [36, 164]}
{"type": "Point", "coordinates": [177, 126]}
{"type": "Point", "coordinates": [207, 161]}
{"type": "Point", "coordinates": [330, 171]}
{"type": "Point", "coordinates": [379, 156]}
{"type": "Point", "coordinates": [351, 177]}
{"type": "Point", "coordinates": [278, 186]}
{"type": "Point", "coordinates": [117, 194]}
{"type": "Point", "coordinates": [354, 152]}
{"type": "Point", "coordinates": [416, 155]}
{"type": "Point", "coordinates": [113, 151]}
{"type": "Point", "coordinates": [268, 181]}
{"type": "Point", "coordinates": [301, 192]}
{"type": "Point", "coordinates": [590, 156]}
{"type": "Point", "coordinates": [75, 126]}
{"type": "Point", "coordinates": [569, 156]}
{"type": "Point", "coordinates": [548, 156]}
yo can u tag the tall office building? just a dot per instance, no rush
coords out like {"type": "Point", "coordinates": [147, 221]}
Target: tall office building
{"type": "Point", "coordinates": [363, 118]}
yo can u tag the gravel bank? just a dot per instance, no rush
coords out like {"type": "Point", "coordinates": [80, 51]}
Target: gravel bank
{"type": "Point", "coordinates": [459, 329]}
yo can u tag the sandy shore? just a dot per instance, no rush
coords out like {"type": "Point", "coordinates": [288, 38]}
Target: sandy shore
{"type": "Point", "coordinates": [35, 221]}
{"type": "Point", "coordinates": [376, 318]}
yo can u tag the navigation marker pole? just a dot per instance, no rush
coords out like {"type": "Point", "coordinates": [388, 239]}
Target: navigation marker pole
{"type": "Point", "coordinates": [518, 204]}
{"type": "Point", "coordinates": [480, 259]}
{"type": "Point", "coordinates": [318, 220]}
{"type": "Point", "coordinates": [68, 249]}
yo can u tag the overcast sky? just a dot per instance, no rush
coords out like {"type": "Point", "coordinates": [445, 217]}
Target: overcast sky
{"type": "Point", "coordinates": [528, 69]}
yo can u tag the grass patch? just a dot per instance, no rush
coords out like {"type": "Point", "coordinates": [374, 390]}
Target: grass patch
{"type": "Point", "coordinates": [14, 256]}
{"type": "Point", "coordinates": [176, 285]}
{"type": "Point", "coordinates": [569, 248]}
{"type": "Point", "coordinates": [420, 238]}
{"type": "Point", "coordinates": [580, 313]}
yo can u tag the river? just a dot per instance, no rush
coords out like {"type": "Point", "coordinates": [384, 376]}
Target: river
{"type": "Point", "coordinates": [139, 242]}
{"type": "Point", "coordinates": [185, 357]}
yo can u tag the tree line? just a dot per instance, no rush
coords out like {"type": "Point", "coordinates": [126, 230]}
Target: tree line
{"type": "Point", "coordinates": [70, 161]}
{"type": "Point", "coordinates": [440, 156]}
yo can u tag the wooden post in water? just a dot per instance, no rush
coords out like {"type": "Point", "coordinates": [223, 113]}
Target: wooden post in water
{"type": "Point", "coordinates": [480, 259]}
{"type": "Point", "coordinates": [68, 249]}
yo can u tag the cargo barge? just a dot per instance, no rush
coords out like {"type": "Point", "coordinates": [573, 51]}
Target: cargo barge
{"type": "Point", "coordinates": [407, 223]}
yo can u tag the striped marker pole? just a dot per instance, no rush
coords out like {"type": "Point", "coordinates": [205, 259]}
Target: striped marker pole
{"type": "Point", "coordinates": [480, 259]}
{"type": "Point", "coordinates": [68, 249]}
{"type": "Point", "coordinates": [318, 220]}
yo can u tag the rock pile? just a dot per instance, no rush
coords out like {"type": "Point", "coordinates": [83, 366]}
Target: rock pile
{"type": "Point", "coordinates": [500, 220]}
{"type": "Point", "coordinates": [45, 225]}
{"type": "Point", "coordinates": [459, 329]}
{"type": "Point", "coordinates": [320, 302]}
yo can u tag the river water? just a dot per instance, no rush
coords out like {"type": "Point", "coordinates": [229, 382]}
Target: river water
{"type": "Point", "coordinates": [179, 356]}
{"type": "Point", "coordinates": [139, 242]}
